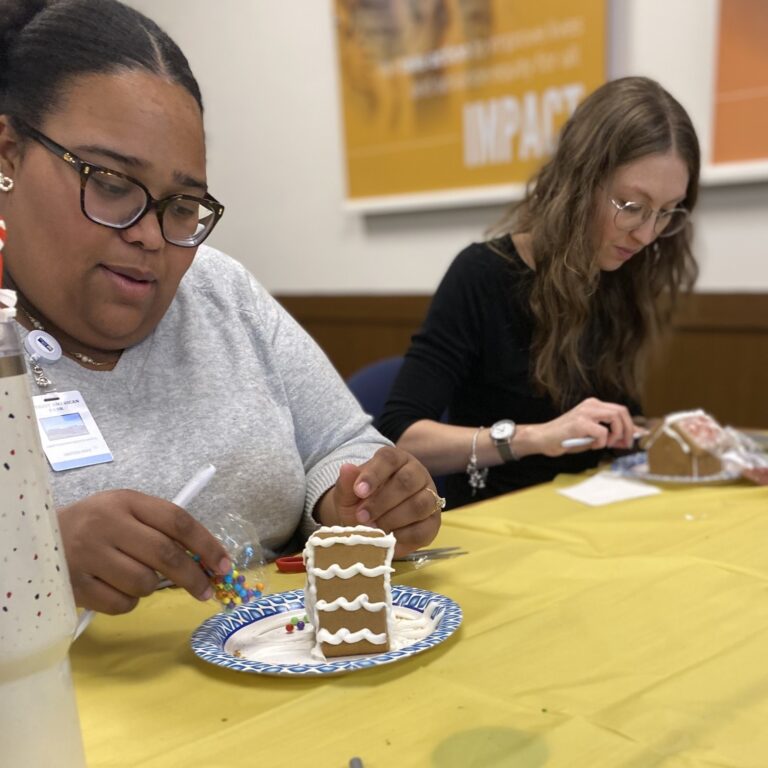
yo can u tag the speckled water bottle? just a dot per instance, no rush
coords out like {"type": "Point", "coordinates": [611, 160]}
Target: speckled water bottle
{"type": "Point", "coordinates": [38, 715]}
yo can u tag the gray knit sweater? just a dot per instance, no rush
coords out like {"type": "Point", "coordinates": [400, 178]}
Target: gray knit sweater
{"type": "Point", "coordinates": [227, 377]}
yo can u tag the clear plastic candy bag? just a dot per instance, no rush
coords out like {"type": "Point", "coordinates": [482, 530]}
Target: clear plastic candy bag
{"type": "Point", "coordinates": [246, 581]}
{"type": "Point", "coordinates": [747, 456]}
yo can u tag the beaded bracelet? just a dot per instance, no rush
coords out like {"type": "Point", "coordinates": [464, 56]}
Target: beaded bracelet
{"type": "Point", "coordinates": [476, 476]}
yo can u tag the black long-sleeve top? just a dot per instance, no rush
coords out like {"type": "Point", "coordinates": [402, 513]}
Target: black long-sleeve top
{"type": "Point", "coordinates": [469, 365]}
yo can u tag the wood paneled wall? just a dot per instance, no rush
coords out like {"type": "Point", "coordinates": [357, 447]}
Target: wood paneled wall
{"type": "Point", "coordinates": [356, 330]}
{"type": "Point", "coordinates": [715, 356]}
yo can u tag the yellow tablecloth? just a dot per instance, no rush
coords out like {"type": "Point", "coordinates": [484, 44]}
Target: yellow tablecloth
{"type": "Point", "coordinates": [634, 634]}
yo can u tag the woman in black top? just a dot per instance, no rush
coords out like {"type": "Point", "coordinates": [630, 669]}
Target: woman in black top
{"type": "Point", "coordinates": [538, 336]}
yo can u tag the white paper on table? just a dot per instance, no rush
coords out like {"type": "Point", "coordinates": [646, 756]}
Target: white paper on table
{"type": "Point", "coordinates": [606, 488]}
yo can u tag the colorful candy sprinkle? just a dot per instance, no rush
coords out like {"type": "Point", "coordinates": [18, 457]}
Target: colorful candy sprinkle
{"type": "Point", "coordinates": [296, 623]}
{"type": "Point", "coordinates": [231, 589]}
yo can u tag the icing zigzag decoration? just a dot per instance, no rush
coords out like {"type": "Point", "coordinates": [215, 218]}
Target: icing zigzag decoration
{"type": "Point", "coordinates": [348, 593]}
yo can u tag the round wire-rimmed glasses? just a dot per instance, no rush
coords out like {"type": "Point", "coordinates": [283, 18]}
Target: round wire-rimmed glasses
{"type": "Point", "coordinates": [118, 201]}
{"type": "Point", "coordinates": [630, 215]}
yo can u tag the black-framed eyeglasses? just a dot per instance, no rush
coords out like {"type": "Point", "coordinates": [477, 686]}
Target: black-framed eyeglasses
{"type": "Point", "coordinates": [631, 215]}
{"type": "Point", "coordinates": [118, 201]}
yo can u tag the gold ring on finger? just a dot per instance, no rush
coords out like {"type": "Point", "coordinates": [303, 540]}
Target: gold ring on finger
{"type": "Point", "coordinates": [439, 500]}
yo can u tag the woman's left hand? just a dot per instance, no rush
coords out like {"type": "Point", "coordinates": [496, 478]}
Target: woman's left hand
{"type": "Point", "coordinates": [392, 491]}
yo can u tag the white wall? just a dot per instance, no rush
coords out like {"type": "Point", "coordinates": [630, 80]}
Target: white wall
{"type": "Point", "coordinates": [267, 70]}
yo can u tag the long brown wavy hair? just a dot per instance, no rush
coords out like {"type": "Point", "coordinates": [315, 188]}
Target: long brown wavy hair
{"type": "Point", "coordinates": [592, 329]}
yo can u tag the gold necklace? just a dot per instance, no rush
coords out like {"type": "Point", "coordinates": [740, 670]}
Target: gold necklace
{"type": "Point", "coordinates": [77, 355]}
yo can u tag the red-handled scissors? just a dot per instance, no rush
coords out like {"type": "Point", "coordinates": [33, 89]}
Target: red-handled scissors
{"type": "Point", "coordinates": [290, 564]}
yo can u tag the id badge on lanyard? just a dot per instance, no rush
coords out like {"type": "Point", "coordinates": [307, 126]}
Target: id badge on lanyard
{"type": "Point", "coordinates": [69, 433]}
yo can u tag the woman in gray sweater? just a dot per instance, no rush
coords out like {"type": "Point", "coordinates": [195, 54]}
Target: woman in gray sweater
{"type": "Point", "coordinates": [179, 355]}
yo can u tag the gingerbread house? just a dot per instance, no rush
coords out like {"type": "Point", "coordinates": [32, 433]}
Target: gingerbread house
{"type": "Point", "coordinates": [348, 594]}
{"type": "Point", "coordinates": [687, 443]}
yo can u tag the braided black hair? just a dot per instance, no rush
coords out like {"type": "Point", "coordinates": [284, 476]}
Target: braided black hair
{"type": "Point", "coordinates": [45, 44]}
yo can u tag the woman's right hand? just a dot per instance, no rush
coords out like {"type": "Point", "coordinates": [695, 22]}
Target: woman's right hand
{"type": "Point", "coordinates": [609, 424]}
{"type": "Point", "coordinates": [117, 542]}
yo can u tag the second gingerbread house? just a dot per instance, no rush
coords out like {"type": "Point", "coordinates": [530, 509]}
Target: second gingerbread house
{"type": "Point", "coordinates": [687, 443]}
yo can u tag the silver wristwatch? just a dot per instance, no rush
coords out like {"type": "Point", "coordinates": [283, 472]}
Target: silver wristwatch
{"type": "Point", "coordinates": [502, 433]}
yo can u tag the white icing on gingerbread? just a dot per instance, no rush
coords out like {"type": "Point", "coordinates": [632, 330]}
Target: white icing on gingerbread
{"type": "Point", "coordinates": [345, 636]}
{"type": "Point", "coordinates": [696, 433]}
{"type": "Point", "coordinates": [337, 572]}
{"type": "Point", "coordinates": [361, 602]}
{"type": "Point", "coordinates": [695, 427]}
{"type": "Point", "coordinates": [348, 536]}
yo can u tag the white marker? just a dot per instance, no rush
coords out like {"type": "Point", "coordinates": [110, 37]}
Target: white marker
{"type": "Point", "coordinates": [201, 478]}
{"type": "Point", "coordinates": [579, 442]}
{"type": "Point", "coordinates": [196, 484]}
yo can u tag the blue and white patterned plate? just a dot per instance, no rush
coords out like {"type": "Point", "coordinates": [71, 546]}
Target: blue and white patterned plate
{"type": "Point", "coordinates": [635, 466]}
{"type": "Point", "coordinates": [218, 639]}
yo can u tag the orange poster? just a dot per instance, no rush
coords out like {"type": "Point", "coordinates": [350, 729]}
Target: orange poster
{"type": "Point", "coordinates": [460, 94]}
{"type": "Point", "coordinates": [741, 99]}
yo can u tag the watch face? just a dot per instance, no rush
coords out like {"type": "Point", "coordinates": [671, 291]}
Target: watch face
{"type": "Point", "coordinates": [502, 430]}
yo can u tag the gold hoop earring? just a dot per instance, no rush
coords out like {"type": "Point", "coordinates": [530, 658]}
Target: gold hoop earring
{"type": "Point", "coordinates": [6, 183]}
